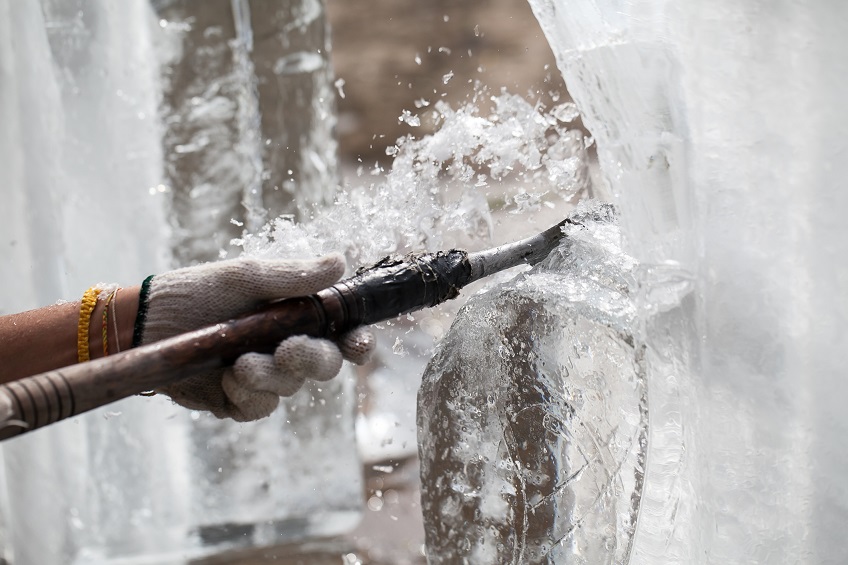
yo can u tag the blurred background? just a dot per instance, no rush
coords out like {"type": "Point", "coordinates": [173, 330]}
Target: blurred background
{"type": "Point", "coordinates": [392, 53]}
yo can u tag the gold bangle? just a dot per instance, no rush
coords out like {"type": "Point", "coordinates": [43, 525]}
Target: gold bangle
{"type": "Point", "coordinates": [87, 304]}
{"type": "Point", "coordinates": [105, 329]}
{"type": "Point", "coordinates": [115, 322]}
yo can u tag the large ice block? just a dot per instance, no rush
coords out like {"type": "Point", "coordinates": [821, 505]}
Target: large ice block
{"type": "Point", "coordinates": [533, 414]}
{"type": "Point", "coordinates": [81, 176]}
{"type": "Point", "coordinates": [720, 128]}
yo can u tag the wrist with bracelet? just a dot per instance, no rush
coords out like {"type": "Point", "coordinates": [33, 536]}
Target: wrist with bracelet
{"type": "Point", "coordinates": [107, 316]}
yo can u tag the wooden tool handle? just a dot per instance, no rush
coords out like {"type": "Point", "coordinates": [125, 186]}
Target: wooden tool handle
{"type": "Point", "coordinates": [388, 289]}
{"type": "Point", "coordinates": [43, 399]}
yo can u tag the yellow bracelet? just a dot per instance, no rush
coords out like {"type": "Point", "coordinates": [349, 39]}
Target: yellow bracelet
{"type": "Point", "coordinates": [87, 304]}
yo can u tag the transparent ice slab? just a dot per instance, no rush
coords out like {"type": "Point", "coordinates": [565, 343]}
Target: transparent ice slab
{"type": "Point", "coordinates": [141, 481]}
{"type": "Point", "coordinates": [533, 414]}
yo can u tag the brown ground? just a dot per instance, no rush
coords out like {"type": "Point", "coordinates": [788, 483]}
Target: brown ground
{"type": "Point", "coordinates": [375, 44]}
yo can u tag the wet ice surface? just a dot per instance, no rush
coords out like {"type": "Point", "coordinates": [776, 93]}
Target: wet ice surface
{"type": "Point", "coordinates": [746, 371]}
{"type": "Point", "coordinates": [533, 413]}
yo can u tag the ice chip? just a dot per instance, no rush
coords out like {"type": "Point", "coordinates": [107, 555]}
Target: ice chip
{"type": "Point", "coordinates": [409, 118]}
{"type": "Point", "coordinates": [566, 112]}
{"type": "Point", "coordinates": [339, 84]}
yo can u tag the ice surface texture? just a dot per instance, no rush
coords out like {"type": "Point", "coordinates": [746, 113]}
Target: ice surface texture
{"type": "Point", "coordinates": [533, 414]}
{"type": "Point", "coordinates": [721, 131]}
{"type": "Point", "coordinates": [248, 116]}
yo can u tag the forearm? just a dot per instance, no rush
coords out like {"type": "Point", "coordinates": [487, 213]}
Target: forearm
{"type": "Point", "coordinates": [44, 339]}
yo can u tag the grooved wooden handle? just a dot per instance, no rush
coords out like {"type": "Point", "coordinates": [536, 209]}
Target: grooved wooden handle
{"type": "Point", "coordinates": [36, 402]}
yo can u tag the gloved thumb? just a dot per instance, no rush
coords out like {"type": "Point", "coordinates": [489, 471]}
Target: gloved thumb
{"type": "Point", "coordinates": [284, 278]}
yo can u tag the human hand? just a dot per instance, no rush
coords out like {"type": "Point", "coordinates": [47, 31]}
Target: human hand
{"type": "Point", "coordinates": [195, 297]}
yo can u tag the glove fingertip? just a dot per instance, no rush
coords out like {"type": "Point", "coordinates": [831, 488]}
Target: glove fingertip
{"type": "Point", "coordinates": [254, 387]}
{"type": "Point", "coordinates": [309, 358]}
{"type": "Point", "coordinates": [248, 402]}
{"type": "Point", "coordinates": [328, 269]}
{"type": "Point", "coordinates": [357, 346]}
{"type": "Point", "coordinates": [261, 373]}
{"type": "Point", "coordinates": [333, 262]}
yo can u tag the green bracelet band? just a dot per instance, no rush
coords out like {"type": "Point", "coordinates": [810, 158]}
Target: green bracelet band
{"type": "Point", "coordinates": [141, 317]}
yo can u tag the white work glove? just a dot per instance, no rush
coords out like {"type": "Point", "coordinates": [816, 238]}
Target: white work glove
{"type": "Point", "coordinates": [196, 297]}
